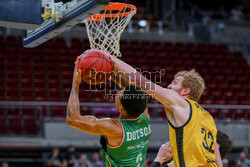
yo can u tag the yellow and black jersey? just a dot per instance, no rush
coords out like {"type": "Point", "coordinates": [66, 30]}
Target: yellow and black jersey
{"type": "Point", "coordinates": [193, 143]}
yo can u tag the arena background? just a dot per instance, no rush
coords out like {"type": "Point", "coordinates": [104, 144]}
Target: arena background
{"type": "Point", "coordinates": [210, 36]}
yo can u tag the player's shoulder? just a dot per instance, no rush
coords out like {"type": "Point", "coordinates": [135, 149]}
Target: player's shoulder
{"type": "Point", "coordinates": [196, 106]}
{"type": "Point", "coordinates": [110, 121]}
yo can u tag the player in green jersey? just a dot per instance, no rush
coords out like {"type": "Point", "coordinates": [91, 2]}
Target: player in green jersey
{"type": "Point", "coordinates": [126, 138]}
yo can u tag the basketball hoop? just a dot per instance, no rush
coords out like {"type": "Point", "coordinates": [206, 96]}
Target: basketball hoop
{"type": "Point", "coordinates": [105, 28]}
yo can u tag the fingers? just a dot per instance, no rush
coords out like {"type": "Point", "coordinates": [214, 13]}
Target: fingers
{"type": "Point", "coordinates": [77, 62]}
{"type": "Point", "coordinates": [114, 68]}
{"type": "Point", "coordinates": [78, 77]}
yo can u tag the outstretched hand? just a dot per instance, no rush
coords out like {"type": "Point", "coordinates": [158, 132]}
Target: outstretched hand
{"type": "Point", "coordinates": [77, 74]}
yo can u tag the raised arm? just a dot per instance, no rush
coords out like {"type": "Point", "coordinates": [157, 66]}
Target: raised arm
{"type": "Point", "coordinates": [163, 95]}
{"type": "Point", "coordinates": [89, 124]}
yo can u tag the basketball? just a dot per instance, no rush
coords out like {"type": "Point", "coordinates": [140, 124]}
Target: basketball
{"type": "Point", "coordinates": [95, 66]}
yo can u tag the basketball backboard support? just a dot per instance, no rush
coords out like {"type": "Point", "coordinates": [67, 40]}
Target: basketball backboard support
{"type": "Point", "coordinates": [72, 16]}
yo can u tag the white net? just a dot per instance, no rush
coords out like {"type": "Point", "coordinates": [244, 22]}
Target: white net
{"type": "Point", "coordinates": [105, 29]}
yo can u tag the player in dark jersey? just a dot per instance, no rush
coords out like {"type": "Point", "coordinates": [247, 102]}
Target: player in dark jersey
{"type": "Point", "coordinates": [126, 138]}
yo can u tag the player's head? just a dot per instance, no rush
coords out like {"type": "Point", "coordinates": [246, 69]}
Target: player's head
{"type": "Point", "coordinates": [188, 84]}
{"type": "Point", "coordinates": [132, 100]}
{"type": "Point", "coordinates": [225, 144]}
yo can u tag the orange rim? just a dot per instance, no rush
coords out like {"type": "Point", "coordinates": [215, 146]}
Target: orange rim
{"type": "Point", "coordinates": [113, 6]}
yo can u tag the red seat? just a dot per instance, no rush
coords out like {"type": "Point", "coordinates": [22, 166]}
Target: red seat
{"type": "Point", "coordinates": [147, 48]}
{"type": "Point", "coordinates": [140, 61]}
{"type": "Point", "coordinates": [224, 87]}
{"type": "Point", "coordinates": [60, 42]}
{"type": "Point", "coordinates": [233, 102]}
{"type": "Point", "coordinates": [26, 92]}
{"type": "Point", "coordinates": [15, 125]}
{"type": "Point", "coordinates": [240, 115]}
{"type": "Point", "coordinates": [26, 75]}
{"type": "Point", "coordinates": [236, 87]}
{"type": "Point", "coordinates": [40, 83]}
{"type": "Point", "coordinates": [216, 113]}
{"type": "Point", "coordinates": [30, 126]}
{"type": "Point", "coordinates": [169, 47]}
{"type": "Point", "coordinates": [41, 94]}
{"type": "Point", "coordinates": [242, 79]}
{"type": "Point", "coordinates": [229, 96]}
{"type": "Point", "coordinates": [229, 115]}
{"type": "Point", "coordinates": [231, 79]}
{"type": "Point", "coordinates": [245, 102]}
{"type": "Point", "coordinates": [52, 67]}
{"type": "Point", "coordinates": [55, 94]}
{"type": "Point", "coordinates": [12, 94]}
{"type": "Point", "coordinates": [2, 112]}
{"type": "Point", "coordinates": [114, 113]}
{"type": "Point", "coordinates": [28, 112]}
{"type": "Point", "coordinates": [241, 96]}
{"type": "Point", "coordinates": [153, 62]}
{"type": "Point", "coordinates": [3, 126]}
{"type": "Point", "coordinates": [180, 47]}
{"type": "Point", "coordinates": [13, 112]}
{"type": "Point", "coordinates": [161, 113]}
{"type": "Point", "coordinates": [216, 95]}
{"type": "Point", "coordinates": [86, 110]}
{"type": "Point", "coordinates": [101, 112]}
{"type": "Point", "coordinates": [222, 102]}
{"type": "Point", "coordinates": [57, 111]}
{"type": "Point", "coordinates": [248, 115]}
{"type": "Point", "coordinates": [54, 83]}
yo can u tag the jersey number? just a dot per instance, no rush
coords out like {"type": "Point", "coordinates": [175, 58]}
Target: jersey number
{"type": "Point", "coordinates": [139, 159]}
{"type": "Point", "coordinates": [209, 136]}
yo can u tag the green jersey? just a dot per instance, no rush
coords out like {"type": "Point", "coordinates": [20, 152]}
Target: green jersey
{"type": "Point", "coordinates": [132, 151]}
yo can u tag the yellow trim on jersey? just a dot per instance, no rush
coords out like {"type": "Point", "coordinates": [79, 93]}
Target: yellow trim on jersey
{"type": "Point", "coordinates": [123, 136]}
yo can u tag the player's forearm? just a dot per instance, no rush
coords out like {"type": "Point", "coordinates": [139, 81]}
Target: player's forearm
{"type": "Point", "coordinates": [132, 76]}
{"type": "Point", "coordinates": [86, 124]}
{"type": "Point", "coordinates": [119, 80]}
{"type": "Point", "coordinates": [73, 108]}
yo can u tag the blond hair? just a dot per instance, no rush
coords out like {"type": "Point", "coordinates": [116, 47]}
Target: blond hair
{"type": "Point", "coordinates": [194, 81]}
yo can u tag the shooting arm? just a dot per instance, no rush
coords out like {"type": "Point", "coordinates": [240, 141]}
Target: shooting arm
{"type": "Point", "coordinates": [89, 124]}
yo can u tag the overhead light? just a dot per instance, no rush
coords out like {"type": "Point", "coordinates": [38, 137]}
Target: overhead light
{"type": "Point", "coordinates": [142, 23]}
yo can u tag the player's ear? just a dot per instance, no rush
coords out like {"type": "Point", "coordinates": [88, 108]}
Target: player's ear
{"type": "Point", "coordinates": [185, 91]}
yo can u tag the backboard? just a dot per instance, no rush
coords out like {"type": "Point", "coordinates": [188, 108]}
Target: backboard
{"type": "Point", "coordinates": [61, 18]}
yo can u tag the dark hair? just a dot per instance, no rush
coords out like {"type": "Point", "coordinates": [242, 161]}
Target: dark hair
{"type": "Point", "coordinates": [134, 101]}
{"type": "Point", "coordinates": [225, 144]}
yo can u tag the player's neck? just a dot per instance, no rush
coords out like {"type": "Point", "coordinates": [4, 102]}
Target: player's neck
{"type": "Point", "coordinates": [123, 117]}
{"type": "Point", "coordinates": [127, 117]}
